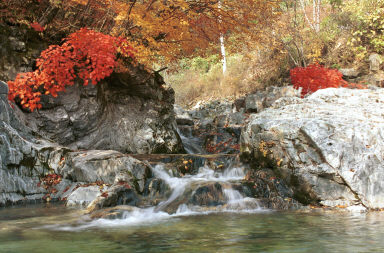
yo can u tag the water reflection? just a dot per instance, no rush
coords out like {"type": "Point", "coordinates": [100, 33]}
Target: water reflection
{"type": "Point", "coordinates": [21, 231]}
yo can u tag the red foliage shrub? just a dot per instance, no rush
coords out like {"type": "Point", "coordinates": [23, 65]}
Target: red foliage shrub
{"type": "Point", "coordinates": [37, 27]}
{"type": "Point", "coordinates": [315, 77]}
{"type": "Point", "coordinates": [85, 54]}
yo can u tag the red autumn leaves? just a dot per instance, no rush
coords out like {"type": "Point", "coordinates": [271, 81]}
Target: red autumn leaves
{"type": "Point", "coordinates": [86, 55]}
{"type": "Point", "coordinates": [37, 27]}
{"type": "Point", "coordinates": [315, 77]}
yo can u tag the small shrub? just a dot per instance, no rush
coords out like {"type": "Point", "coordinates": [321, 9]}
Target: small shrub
{"type": "Point", "coordinates": [315, 77]}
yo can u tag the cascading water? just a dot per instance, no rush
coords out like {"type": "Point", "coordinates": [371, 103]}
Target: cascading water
{"type": "Point", "coordinates": [182, 191]}
{"type": "Point", "coordinates": [211, 189]}
{"type": "Point", "coordinates": [192, 145]}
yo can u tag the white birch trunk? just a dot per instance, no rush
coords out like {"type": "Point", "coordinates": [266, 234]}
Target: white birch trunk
{"type": "Point", "coordinates": [223, 56]}
{"type": "Point", "coordinates": [222, 47]}
{"type": "Point", "coordinates": [315, 23]}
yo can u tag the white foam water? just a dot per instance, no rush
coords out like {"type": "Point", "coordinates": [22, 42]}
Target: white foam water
{"type": "Point", "coordinates": [236, 202]}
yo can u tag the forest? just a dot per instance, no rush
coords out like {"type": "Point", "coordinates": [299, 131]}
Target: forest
{"type": "Point", "coordinates": [209, 49]}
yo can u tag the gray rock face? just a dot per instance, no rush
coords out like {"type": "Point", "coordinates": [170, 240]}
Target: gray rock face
{"type": "Point", "coordinates": [329, 146]}
{"type": "Point", "coordinates": [118, 194]}
{"type": "Point", "coordinates": [3, 88]}
{"type": "Point", "coordinates": [25, 160]}
{"type": "Point", "coordinates": [255, 103]}
{"type": "Point", "coordinates": [105, 166]}
{"type": "Point", "coordinates": [130, 113]}
{"type": "Point", "coordinates": [19, 47]}
{"type": "Point", "coordinates": [82, 196]}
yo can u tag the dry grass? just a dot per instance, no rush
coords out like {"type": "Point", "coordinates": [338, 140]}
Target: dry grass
{"type": "Point", "coordinates": [245, 74]}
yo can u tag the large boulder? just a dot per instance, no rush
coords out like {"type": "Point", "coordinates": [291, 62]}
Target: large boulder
{"type": "Point", "coordinates": [130, 112]}
{"type": "Point", "coordinates": [329, 147]}
{"type": "Point", "coordinates": [33, 169]}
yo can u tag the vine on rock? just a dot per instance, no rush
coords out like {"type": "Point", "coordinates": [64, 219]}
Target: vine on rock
{"type": "Point", "coordinates": [86, 55]}
{"type": "Point", "coordinates": [315, 77]}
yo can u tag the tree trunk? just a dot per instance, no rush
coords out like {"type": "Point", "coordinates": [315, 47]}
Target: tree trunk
{"type": "Point", "coordinates": [222, 47]}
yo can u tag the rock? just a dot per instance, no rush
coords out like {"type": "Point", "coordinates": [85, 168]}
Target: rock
{"type": "Point", "coordinates": [17, 45]}
{"type": "Point", "coordinates": [271, 191]}
{"type": "Point", "coordinates": [3, 88]}
{"type": "Point", "coordinates": [23, 158]}
{"type": "Point", "coordinates": [106, 166]}
{"type": "Point", "coordinates": [328, 147]}
{"type": "Point", "coordinates": [19, 48]}
{"type": "Point", "coordinates": [236, 118]}
{"type": "Point", "coordinates": [83, 196]}
{"type": "Point", "coordinates": [222, 140]}
{"type": "Point", "coordinates": [130, 113]}
{"type": "Point", "coordinates": [350, 73]}
{"type": "Point", "coordinates": [239, 104]}
{"type": "Point", "coordinates": [182, 117]}
{"type": "Point", "coordinates": [374, 62]}
{"type": "Point", "coordinates": [375, 79]}
{"type": "Point", "coordinates": [208, 195]}
{"type": "Point", "coordinates": [254, 103]}
{"type": "Point", "coordinates": [119, 194]}
{"type": "Point", "coordinates": [116, 212]}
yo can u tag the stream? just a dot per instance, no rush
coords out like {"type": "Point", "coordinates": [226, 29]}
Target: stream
{"type": "Point", "coordinates": [53, 228]}
{"type": "Point", "coordinates": [202, 211]}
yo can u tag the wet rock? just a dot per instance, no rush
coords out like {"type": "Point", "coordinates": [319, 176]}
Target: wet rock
{"type": "Point", "coordinates": [116, 212]}
{"type": "Point", "coordinates": [208, 195]}
{"type": "Point", "coordinates": [119, 194]}
{"type": "Point", "coordinates": [83, 196]}
{"type": "Point", "coordinates": [157, 190]}
{"type": "Point", "coordinates": [271, 191]}
{"type": "Point", "coordinates": [326, 147]}
{"type": "Point", "coordinates": [222, 140]}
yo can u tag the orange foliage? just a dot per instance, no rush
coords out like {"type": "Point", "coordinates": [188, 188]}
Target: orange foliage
{"type": "Point", "coordinates": [315, 77]}
{"type": "Point", "coordinates": [86, 55]}
{"type": "Point", "coordinates": [162, 31]}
